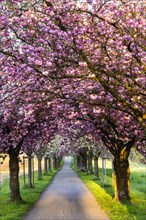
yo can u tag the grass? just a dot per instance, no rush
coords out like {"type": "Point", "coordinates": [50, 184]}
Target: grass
{"type": "Point", "coordinates": [133, 210]}
{"type": "Point", "coordinates": [12, 210]}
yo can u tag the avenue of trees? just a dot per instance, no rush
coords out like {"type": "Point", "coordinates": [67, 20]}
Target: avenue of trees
{"type": "Point", "coordinates": [75, 69]}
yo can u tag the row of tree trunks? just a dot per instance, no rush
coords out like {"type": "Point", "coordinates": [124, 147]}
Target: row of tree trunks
{"type": "Point", "coordinates": [120, 174]}
{"type": "Point", "coordinates": [47, 165]}
{"type": "Point", "coordinates": [47, 168]}
{"type": "Point", "coordinates": [84, 163]}
{"type": "Point", "coordinates": [14, 171]}
{"type": "Point", "coordinates": [30, 175]}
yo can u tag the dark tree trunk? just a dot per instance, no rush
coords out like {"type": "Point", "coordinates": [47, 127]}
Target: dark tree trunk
{"type": "Point", "coordinates": [83, 160]}
{"type": "Point", "coordinates": [96, 171]}
{"type": "Point", "coordinates": [121, 174]}
{"type": "Point", "coordinates": [78, 162]}
{"type": "Point", "coordinates": [49, 164]}
{"type": "Point", "coordinates": [75, 161]}
{"type": "Point", "coordinates": [39, 168]}
{"type": "Point", "coordinates": [30, 184]}
{"type": "Point", "coordinates": [90, 168]}
{"type": "Point", "coordinates": [45, 165]}
{"type": "Point", "coordinates": [81, 163]}
{"type": "Point", "coordinates": [14, 175]}
{"type": "Point", "coordinates": [59, 161]}
{"type": "Point", "coordinates": [121, 179]}
{"type": "Point", "coordinates": [85, 163]}
{"type": "Point", "coordinates": [55, 163]}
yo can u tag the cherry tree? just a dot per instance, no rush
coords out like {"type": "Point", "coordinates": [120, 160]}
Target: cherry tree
{"type": "Point", "coordinates": [22, 97]}
{"type": "Point", "coordinates": [119, 133]}
{"type": "Point", "coordinates": [88, 56]}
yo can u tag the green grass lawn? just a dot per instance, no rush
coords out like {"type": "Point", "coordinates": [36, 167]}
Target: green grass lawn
{"type": "Point", "coordinates": [133, 210]}
{"type": "Point", "coordinates": [11, 210]}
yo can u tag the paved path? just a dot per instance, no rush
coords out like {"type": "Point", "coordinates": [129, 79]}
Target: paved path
{"type": "Point", "coordinates": [67, 198]}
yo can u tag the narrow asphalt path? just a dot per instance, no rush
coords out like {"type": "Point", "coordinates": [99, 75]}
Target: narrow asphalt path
{"type": "Point", "coordinates": [66, 198]}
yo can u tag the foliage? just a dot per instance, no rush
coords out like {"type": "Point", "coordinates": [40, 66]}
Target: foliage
{"type": "Point", "coordinates": [71, 61]}
{"type": "Point", "coordinates": [65, 70]}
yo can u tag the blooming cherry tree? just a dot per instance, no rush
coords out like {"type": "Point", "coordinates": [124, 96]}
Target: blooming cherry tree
{"type": "Point", "coordinates": [83, 61]}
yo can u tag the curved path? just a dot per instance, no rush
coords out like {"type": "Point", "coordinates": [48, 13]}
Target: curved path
{"type": "Point", "coordinates": [67, 198]}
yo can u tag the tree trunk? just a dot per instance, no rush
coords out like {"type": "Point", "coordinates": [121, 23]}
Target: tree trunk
{"type": "Point", "coordinates": [96, 171]}
{"type": "Point", "coordinates": [49, 164]}
{"type": "Point", "coordinates": [78, 161]}
{"type": "Point", "coordinates": [85, 163]}
{"type": "Point", "coordinates": [121, 174]}
{"type": "Point", "coordinates": [90, 168]}
{"type": "Point", "coordinates": [39, 168]}
{"type": "Point", "coordinates": [121, 179]}
{"type": "Point", "coordinates": [59, 161]}
{"type": "Point", "coordinates": [55, 162]}
{"type": "Point", "coordinates": [45, 165]}
{"type": "Point", "coordinates": [81, 163]}
{"type": "Point", "coordinates": [75, 161]}
{"type": "Point", "coordinates": [14, 175]}
{"type": "Point", "coordinates": [30, 172]}
{"type": "Point", "coordinates": [103, 171]}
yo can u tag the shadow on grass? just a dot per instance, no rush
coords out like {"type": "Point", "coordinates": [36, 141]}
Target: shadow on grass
{"type": "Point", "coordinates": [107, 185]}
